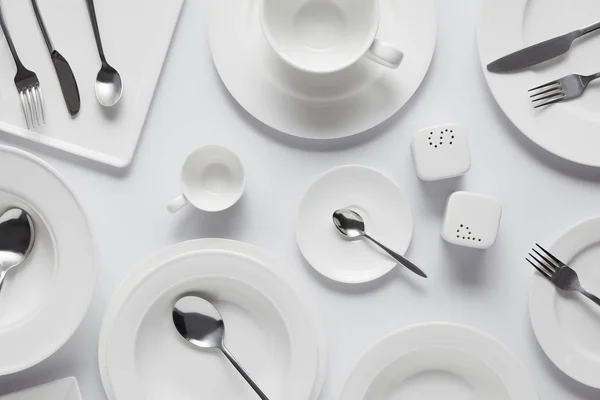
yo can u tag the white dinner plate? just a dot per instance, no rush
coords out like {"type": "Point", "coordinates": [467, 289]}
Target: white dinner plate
{"type": "Point", "coordinates": [49, 294]}
{"type": "Point", "coordinates": [269, 329]}
{"type": "Point", "coordinates": [384, 208]}
{"type": "Point", "coordinates": [567, 325]}
{"type": "Point", "coordinates": [320, 106]}
{"type": "Point", "coordinates": [567, 129]}
{"type": "Point", "coordinates": [62, 389]}
{"type": "Point", "coordinates": [435, 361]}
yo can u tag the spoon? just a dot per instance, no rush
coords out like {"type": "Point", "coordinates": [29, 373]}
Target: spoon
{"type": "Point", "coordinates": [17, 236]}
{"type": "Point", "coordinates": [201, 324]}
{"type": "Point", "coordinates": [109, 86]}
{"type": "Point", "coordinates": [351, 225]}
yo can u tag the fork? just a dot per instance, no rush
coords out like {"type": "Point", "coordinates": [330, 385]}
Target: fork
{"type": "Point", "coordinates": [559, 273]}
{"type": "Point", "coordinates": [566, 88]}
{"type": "Point", "coordinates": [28, 85]}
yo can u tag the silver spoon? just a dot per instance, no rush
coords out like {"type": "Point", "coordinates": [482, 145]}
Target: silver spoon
{"type": "Point", "coordinates": [109, 86]}
{"type": "Point", "coordinates": [201, 324]}
{"type": "Point", "coordinates": [17, 235]}
{"type": "Point", "coordinates": [351, 225]}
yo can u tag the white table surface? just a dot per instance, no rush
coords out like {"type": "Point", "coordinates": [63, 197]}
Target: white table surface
{"type": "Point", "coordinates": [541, 194]}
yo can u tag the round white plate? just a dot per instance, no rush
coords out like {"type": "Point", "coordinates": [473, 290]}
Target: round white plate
{"type": "Point", "coordinates": [320, 106]}
{"type": "Point", "coordinates": [380, 202]}
{"type": "Point", "coordinates": [567, 129]}
{"type": "Point", "coordinates": [435, 361]}
{"type": "Point", "coordinates": [49, 294]}
{"type": "Point", "coordinates": [567, 325]}
{"type": "Point", "coordinates": [269, 330]}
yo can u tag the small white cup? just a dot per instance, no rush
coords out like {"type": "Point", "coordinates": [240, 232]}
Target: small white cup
{"type": "Point", "coordinates": [324, 36]}
{"type": "Point", "coordinates": [212, 179]}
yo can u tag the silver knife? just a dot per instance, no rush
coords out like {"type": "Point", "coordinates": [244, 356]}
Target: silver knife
{"type": "Point", "coordinates": [538, 53]}
{"type": "Point", "coordinates": [67, 81]}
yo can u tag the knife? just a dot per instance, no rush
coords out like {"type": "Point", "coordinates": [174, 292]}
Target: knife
{"type": "Point", "coordinates": [538, 53]}
{"type": "Point", "coordinates": [67, 81]}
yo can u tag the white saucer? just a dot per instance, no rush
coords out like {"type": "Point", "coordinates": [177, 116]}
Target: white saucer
{"type": "Point", "coordinates": [326, 106]}
{"type": "Point", "coordinates": [271, 332]}
{"type": "Point", "coordinates": [380, 202]}
{"type": "Point", "coordinates": [567, 129]}
{"type": "Point", "coordinates": [567, 325]}
{"type": "Point", "coordinates": [435, 361]}
{"type": "Point", "coordinates": [50, 293]}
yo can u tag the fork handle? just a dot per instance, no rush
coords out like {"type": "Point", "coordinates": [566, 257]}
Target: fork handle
{"type": "Point", "coordinates": [590, 296]}
{"type": "Point", "coordinates": [11, 45]}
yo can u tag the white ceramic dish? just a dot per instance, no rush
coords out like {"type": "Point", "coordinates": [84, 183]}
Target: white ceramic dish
{"type": "Point", "coordinates": [568, 129]}
{"type": "Point", "coordinates": [55, 285]}
{"type": "Point", "coordinates": [567, 325]}
{"type": "Point", "coordinates": [257, 292]}
{"type": "Point", "coordinates": [136, 36]}
{"type": "Point", "coordinates": [380, 202]}
{"type": "Point", "coordinates": [62, 389]}
{"type": "Point", "coordinates": [320, 106]}
{"type": "Point", "coordinates": [439, 360]}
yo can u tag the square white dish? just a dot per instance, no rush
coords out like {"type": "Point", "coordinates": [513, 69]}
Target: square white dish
{"type": "Point", "coordinates": [62, 389]}
{"type": "Point", "coordinates": [136, 35]}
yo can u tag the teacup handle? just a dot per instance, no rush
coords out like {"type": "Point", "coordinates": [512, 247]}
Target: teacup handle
{"type": "Point", "coordinates": [177, 204]}
{"type": "Point", "coordinates": [385, 54]}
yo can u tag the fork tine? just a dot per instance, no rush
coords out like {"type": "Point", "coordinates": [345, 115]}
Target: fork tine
{"type": "Point", "coordinates": [544, 274]}
{"type": "Point", "coordinates": [549, 264]}
{"type": "Point", "coordinates": [554, 93]}
{"type": "Point", "coordinates": [562, 264]}
{"type": "Point", "coordinates": [31, 107]}
{"type": "Point", "coordinates": [542, 265]}
{"type": "Point", "coordinates": [558, 99]}
{"type": "Point", "coordinates": [543, 86]}
{"type": "Point", "coordinates": [25, 109]}
{"type": "Point", "coordinates": [38, 105]}
{"type": "Point", "coordinates": [41, 102]}
{"type": "Point", "coordinates": [557, 89]}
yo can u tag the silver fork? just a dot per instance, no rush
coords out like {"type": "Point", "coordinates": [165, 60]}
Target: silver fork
{"type": "Point", "coordinates": [557, 272]}
{"type": "Point", "coordinates": [27, 84]}
{"type": "Point", "coordinates": [566, 88]}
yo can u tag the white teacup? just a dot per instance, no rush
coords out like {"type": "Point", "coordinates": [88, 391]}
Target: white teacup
{"type": "Point", "coordinates": [323, 36]}
{"type": "Point", "coordinates": [212, 179]}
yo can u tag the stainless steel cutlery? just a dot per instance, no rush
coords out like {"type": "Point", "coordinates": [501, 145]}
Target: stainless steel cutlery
{"type": "Point", "coordinates": [109, 85]}
{"type": "Point", "coordinates": [17, 236]}
{"type": "Point", "coordinates": [557, 272]}
{"type": "Point", "coordinates": [540, 52]}
{"type": "Point", "coordinates": [200, 323]}
{"type": "Point", "coordinates": [28, 85]}
{"type": "Point", "coordinates": [566, 88]}
{"type": "Point", "coordinates": [67, 81]}
{"type": "Point", "coordinates": [350, 224]}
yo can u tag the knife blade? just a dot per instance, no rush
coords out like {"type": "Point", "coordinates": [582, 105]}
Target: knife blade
{"type": "Point", "coordinates": [67, 81]}
{"type": "Point", "coordinates": [540, 52]}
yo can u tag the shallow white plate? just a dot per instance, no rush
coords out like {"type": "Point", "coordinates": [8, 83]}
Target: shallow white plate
{"type": "Point", "coordinates": [435, 361]}
{"type": "Point", "coordinates": [380, 202]}
{"type": "Point", "coordinates": [268, 329]}
{"type": "Point", "coordinates": [567, 324]}
{"type": "Point", "coordinates": [63, 389]}
{"type": "Point", "coordinates": [323, 106]}
{"type": "Point", "coordinates": [136, 35]}
{"type": "Point", "coordinates": [51, 291]}
{"type": "Point", "coordinates": [568, 129]}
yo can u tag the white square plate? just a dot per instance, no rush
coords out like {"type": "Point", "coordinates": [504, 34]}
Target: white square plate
{"type": "Point", "coordinates": [136, 35]}
{"type": "Point", "coordinates": [63, 389]}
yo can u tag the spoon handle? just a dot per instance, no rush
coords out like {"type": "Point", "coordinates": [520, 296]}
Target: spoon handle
{"type": "Point", "coordinates": [242, 372]}
{"type": "Point", "coordinates": [399, 258]}
{"type": "Point", "coordinates": [92, 11]}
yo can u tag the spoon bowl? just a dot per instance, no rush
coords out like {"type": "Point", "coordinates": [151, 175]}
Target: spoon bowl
{"type": "Point", "coordinates": [109, 86]}
{"type": "Point", "coordinates": [200, 323]}
{"type": "Point", "coordinates": [17, 236]}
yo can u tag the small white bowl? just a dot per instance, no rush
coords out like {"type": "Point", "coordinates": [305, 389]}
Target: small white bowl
{"type": "Point", "coordinates": [212, 179]}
